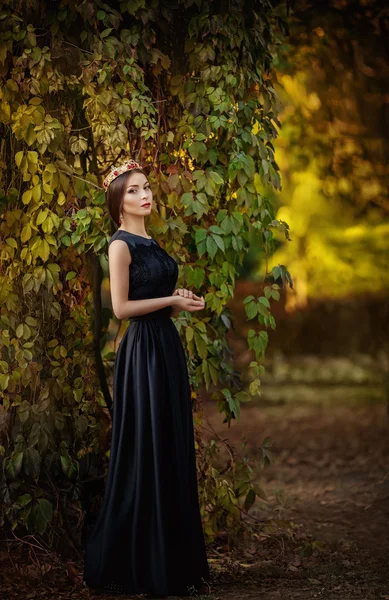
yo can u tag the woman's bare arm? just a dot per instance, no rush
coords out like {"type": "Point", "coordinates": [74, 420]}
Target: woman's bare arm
{"type": "Point", "coordinates": [119, 258]}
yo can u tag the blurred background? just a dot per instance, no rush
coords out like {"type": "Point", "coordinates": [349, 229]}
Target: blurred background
{"type": "Point", "coordinates": [333, 156]}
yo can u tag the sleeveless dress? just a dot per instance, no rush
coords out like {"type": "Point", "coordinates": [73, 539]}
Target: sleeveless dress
{"type": "Point", "coordinates": [148, 538]}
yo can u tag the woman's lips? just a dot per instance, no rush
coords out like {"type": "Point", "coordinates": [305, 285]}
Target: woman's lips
{"type": "Point", "coordinates": [147, 204]}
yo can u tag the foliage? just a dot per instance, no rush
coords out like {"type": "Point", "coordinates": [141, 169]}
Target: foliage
{"type": "Point", "coordinates": [333, 149]}
{"type": "Point", "coordinates": [186, 88]}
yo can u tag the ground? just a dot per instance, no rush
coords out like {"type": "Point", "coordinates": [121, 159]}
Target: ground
{"type": "Point", "coordinates": [330, 478]}
{"type": "Point", "coordinates": [329, 489]}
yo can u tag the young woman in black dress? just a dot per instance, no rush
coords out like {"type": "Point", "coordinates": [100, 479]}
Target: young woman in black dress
{"type": "Point", "coordinates": [148, 538]}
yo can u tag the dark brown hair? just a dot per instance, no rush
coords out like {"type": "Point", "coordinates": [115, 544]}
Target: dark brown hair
{"type": "Point", "coordinates": [115, 192]}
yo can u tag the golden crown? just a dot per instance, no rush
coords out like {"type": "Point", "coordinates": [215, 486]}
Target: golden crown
{"type": "Point", "coordinates": [116, 171]}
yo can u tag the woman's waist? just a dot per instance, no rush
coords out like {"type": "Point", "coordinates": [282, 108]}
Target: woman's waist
{"type": "Point", "coordinates": [161, 313]}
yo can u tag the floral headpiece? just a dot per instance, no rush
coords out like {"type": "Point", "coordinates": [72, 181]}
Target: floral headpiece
{"type": "Point", "coordinates": [116, 171]}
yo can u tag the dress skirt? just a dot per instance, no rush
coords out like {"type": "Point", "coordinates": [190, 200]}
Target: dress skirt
{"type": "Point", "coordinates": [148, 538]}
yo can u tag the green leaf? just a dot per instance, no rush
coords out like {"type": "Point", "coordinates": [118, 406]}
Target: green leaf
{"type": "Point", "coordinates": [25, 499]}
{"type": "Point", "coordinates": [23, 411]}
{"type": "Point", "coordinates": [200, 235]}
{"type": "Point", "coordinates": [59, 420]}
{"type": "Point", "coordinates": [216, 177]}
{"type": "Point", "coordinates": [4, 381]}
{"type": "Point", "coordinates": [176, 80]}
{"type": "Point", "coordinates": [250, 499]}
{"type": "Point", "coordinates": [234, 406]}
{"type": "Point", "coordinates": [251, 310]}
{"type": "Point", "coordinates": [46, 509]}
{"type": "Point", "coordinates": [211, 246]}
{"type": "Point", "coordinates": [32, 462]}
{"type": "Point", "coordinates": [264, 301]}
{"type": "Point", "coordinates": [17, 460]}
{"type": "Point", "coordinates": [65, 464]}
{"type": "Point", "coordinates": [196, 149]}
{"type": "Point", "coordinates": [197, 174]}
{"type": "Point", "coordinates": [40, 516]}
{"type": "Point", "coordinates": [220, 242]}
{"type": "Point", "coordinates": [216, 229]}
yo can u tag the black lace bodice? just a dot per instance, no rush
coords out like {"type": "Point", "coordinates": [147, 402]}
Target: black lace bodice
{"type": "Point", "coordinates": [153, 273]}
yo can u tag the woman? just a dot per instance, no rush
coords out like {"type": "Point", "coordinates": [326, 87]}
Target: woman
{"type": "Point", "coordinates": [148, 538]}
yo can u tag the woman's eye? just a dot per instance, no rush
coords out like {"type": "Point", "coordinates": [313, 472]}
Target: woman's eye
{"type": "Point", "coordinates": [146, 188]}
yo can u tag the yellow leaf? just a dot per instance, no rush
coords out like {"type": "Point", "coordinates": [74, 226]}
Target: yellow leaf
{"type": "Point", "coordinates": [31, 321]}
{"type": "Point", "coordinates": [38, 115]}
{"type": "Point", "coordinates": [30, 136]}
{"type": "Point", "coordinates": [26, 196]}
{"type": "Point", "coordinates": [44, 250]}
{"type": "Point", "coordinates": [34, 249]}
{"type": "Point", "coordinates": [19, 330]}
{"type": "Point", "coordinates": [55, 220]}
{"type": "Point", "coordinates": [255, 128]}
{"type": "Point", "coordinates": [32, 156]}
{"type": "Point", "coordinates": [5, 111]}
{"type": "Point", "coordinates": [11, 242]}
{"type": "Point", "coordinates": [51, 239]}
{"type": "Point", "coordinates": [49, 279]}
{"type": "Point", "coordinates": [48, 189]}
{"type": "Point", "coordinates": [35, 101]}
{"type": "Point", "coordinates": [28, 282]}
{"type": "Point", "coordinates": [26, 332]}
{"type": "Point", "coordinates": [47, 226]}
{"type": "Point", "coordinates": [12, 86]}
{"type": "Point", "coordinates": [37, 193]}
{"type": "Point", "coordinates": [26, 233]}
{"type": "Point", "coordinates": [61, 198]}
{"type": "Point", "coordinates": [189, 334]}
{"type": "Point", "coordinates": [258, 184]}
{"type": "Point", "coordinates": [42, 215]}
{"type": "Point", "coordinates": [32, 167]}
{"type": "Point", "coordinates": [18, 158]}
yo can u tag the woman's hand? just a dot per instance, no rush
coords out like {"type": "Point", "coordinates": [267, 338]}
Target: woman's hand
{"type": "Point", "coordinates": [186, 300]}
{"type": "Point", "coordinates": [186, 294]}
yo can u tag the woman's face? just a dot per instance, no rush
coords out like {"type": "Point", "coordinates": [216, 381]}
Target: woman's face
{"type": "Point", "coordinates": [136, 194]}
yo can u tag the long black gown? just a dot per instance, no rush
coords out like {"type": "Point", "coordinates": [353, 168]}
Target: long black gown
{"type": "Point", "coordinates": [148, 538]}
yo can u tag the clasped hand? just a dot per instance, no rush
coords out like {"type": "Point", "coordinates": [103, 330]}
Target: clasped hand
{"type": "Point", "coordinates": [187, 300]}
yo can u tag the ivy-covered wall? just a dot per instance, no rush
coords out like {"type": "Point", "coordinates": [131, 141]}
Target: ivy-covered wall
{"type": "Point", "coordinates": [185, 88]}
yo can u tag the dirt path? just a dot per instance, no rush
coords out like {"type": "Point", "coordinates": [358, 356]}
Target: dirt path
{"type": "Point", "coordinates": [330, 477]}
{"type": "Point", "coordinates": [329, 490]}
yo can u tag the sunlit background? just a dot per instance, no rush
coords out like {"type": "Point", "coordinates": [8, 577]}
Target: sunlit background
{"type": "Point", "coordinates": [332, 152]}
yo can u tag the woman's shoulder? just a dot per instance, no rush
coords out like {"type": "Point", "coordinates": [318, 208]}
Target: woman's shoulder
{"type": "Point", "coordinates": [120, 234]}
{"type": "Point", "coordinates": [133, 240]}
